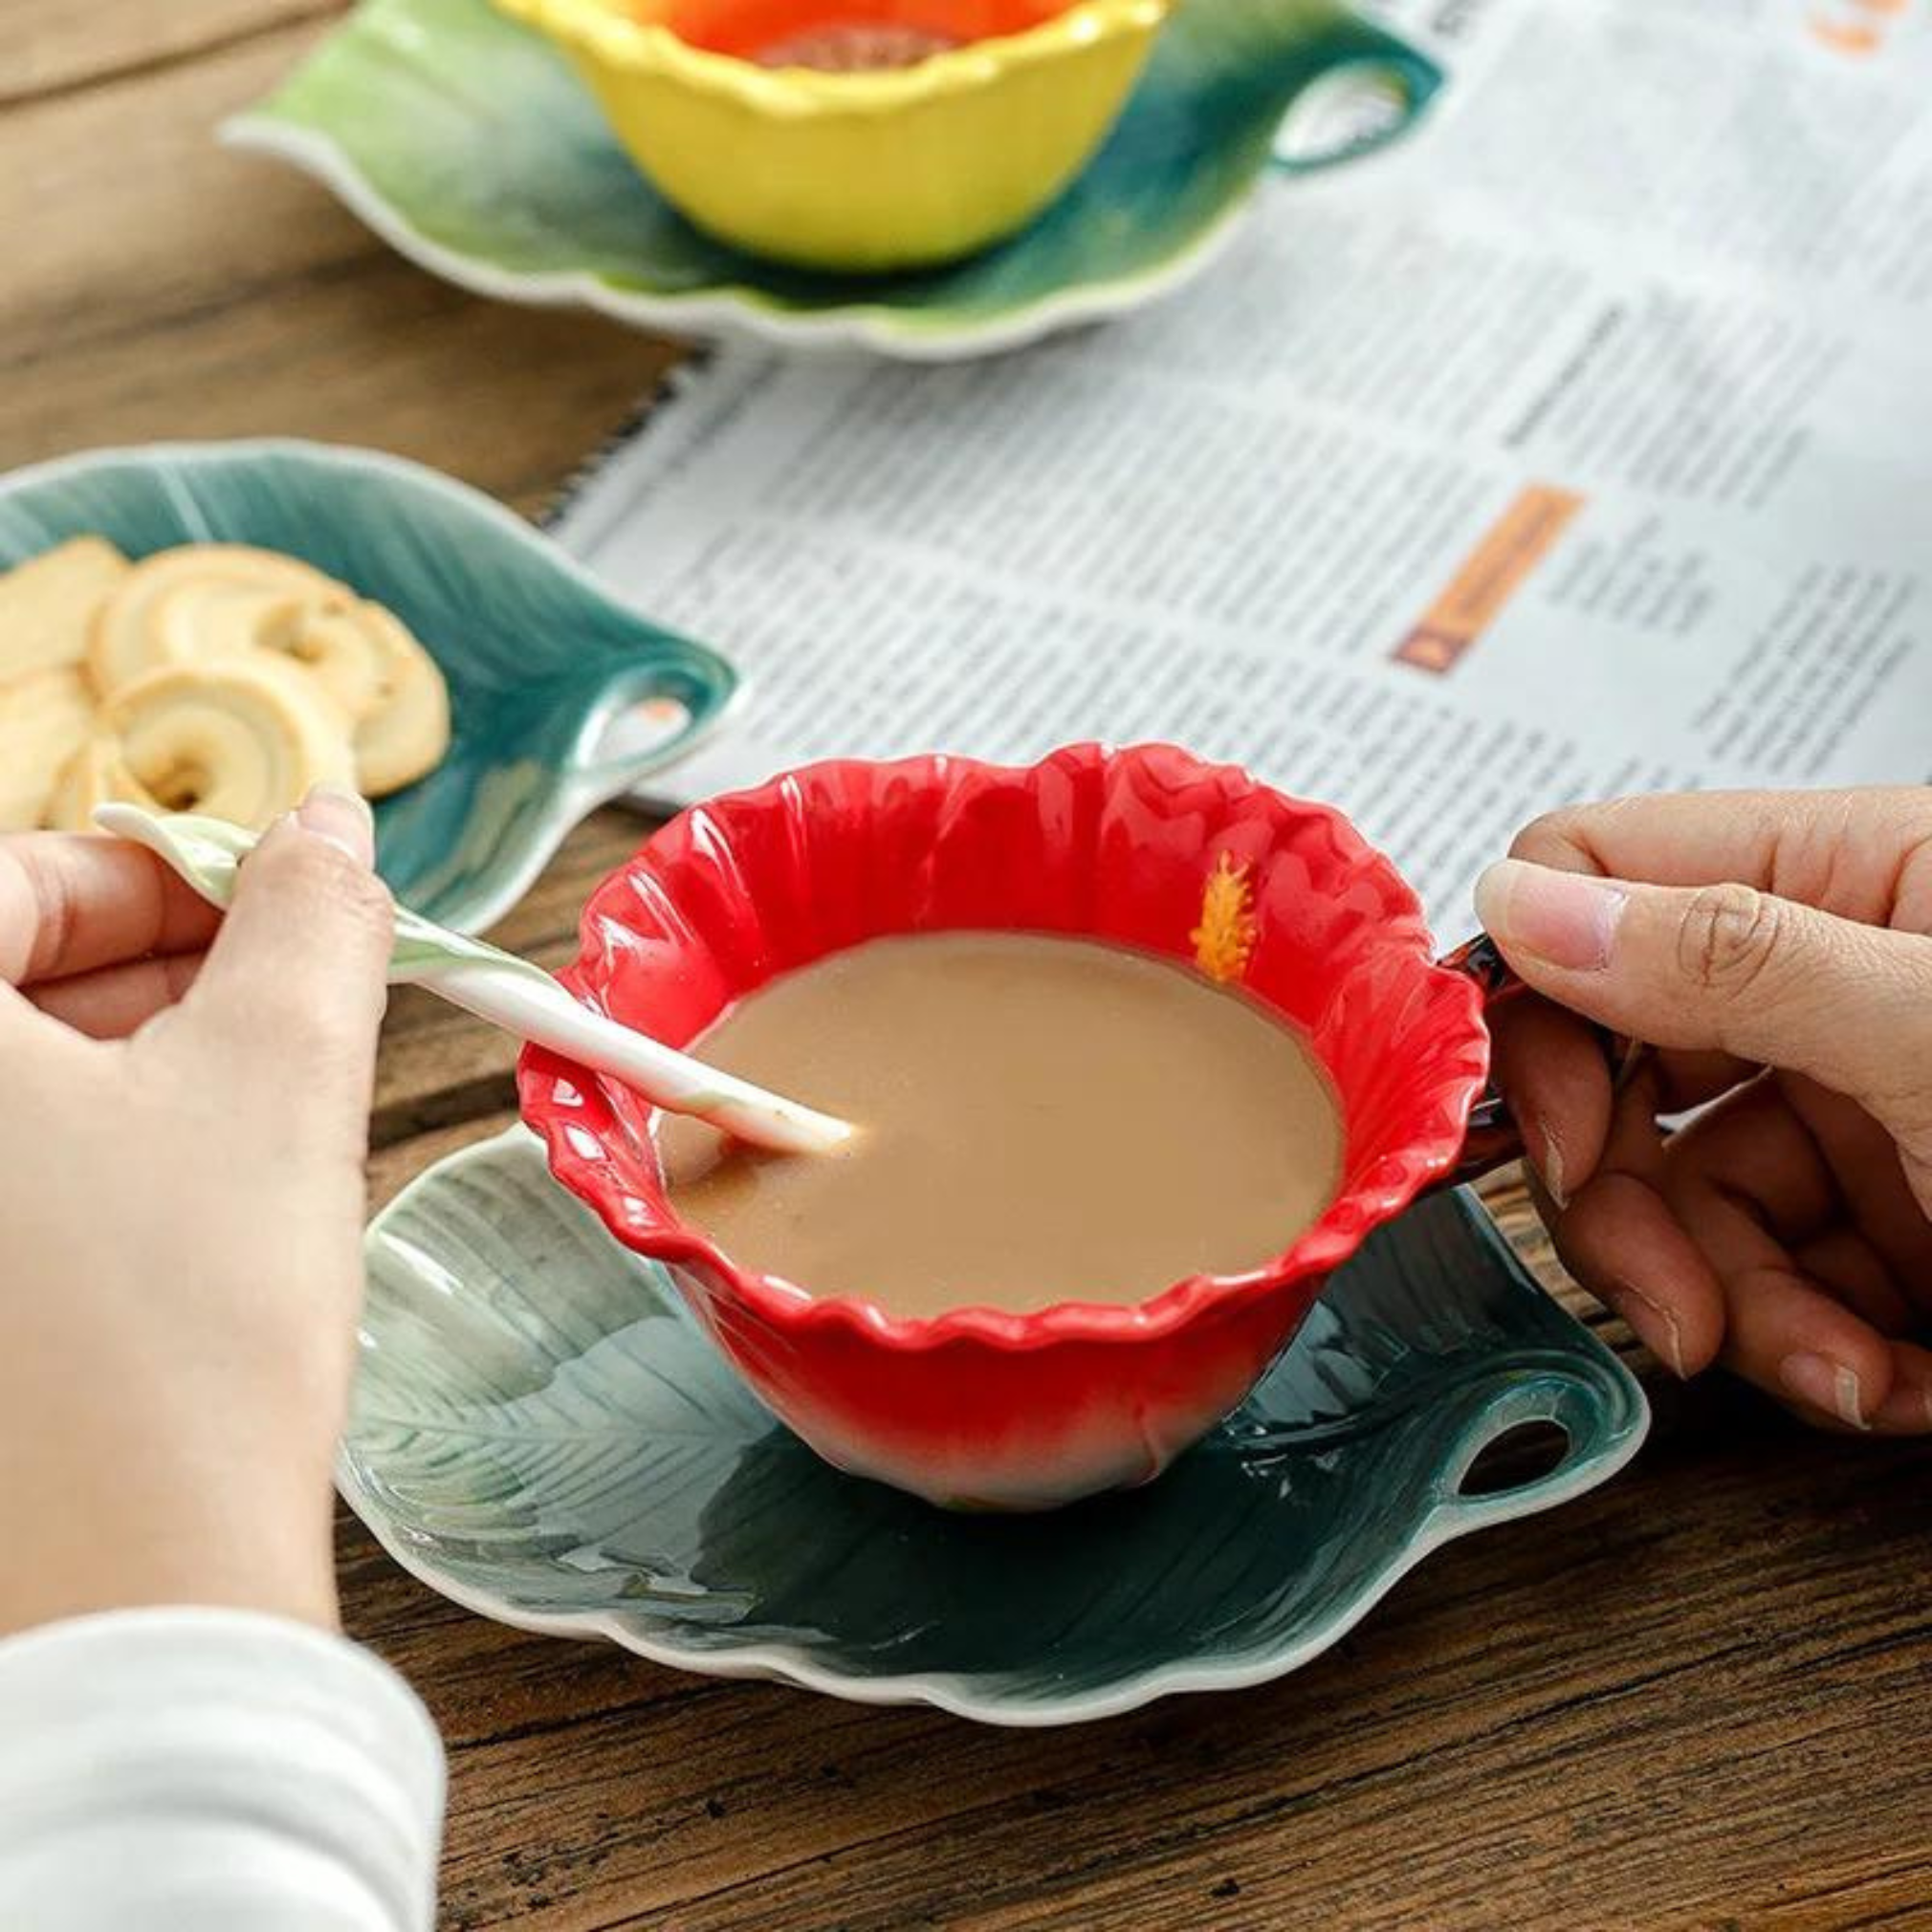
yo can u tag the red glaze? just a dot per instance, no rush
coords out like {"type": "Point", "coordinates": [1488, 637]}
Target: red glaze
{"type": "Point", "coordinates": [749, 29]}
{"type": "Point", "coordinates": [979, 1407]}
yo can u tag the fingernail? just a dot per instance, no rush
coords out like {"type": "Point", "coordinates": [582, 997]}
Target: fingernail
{"type": "Point", "coordinates": [1549, 1164]}
{"type": "Point", "coordinates": [1653, 1324]}
{"type": "Point", "coordinates": [1828, 1385]}
{"type": "Point", "coordinates": [1565, 919]}
{"type": "Point", "coordinates": [340, 817]}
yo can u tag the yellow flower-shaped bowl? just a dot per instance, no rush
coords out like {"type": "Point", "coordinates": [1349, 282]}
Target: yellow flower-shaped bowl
{"type": "Point", "coordinates": [879, 170]}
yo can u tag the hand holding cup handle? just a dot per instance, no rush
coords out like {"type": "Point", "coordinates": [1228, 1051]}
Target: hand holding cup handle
{"type": "Point", "coordinates": [1761, 1194]}
{"type": "Point", "coordinates": [1494, 1137]}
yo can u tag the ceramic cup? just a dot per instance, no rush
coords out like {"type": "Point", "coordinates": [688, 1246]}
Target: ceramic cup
{"type": "Point", "coordinates": [902, 168]}
{"type": "Point", "coordinates": [875, 171]}
{"type": "Point", "coordinates": [978, 1408]}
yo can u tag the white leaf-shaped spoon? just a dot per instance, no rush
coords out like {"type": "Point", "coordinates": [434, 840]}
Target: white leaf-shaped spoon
{"type": "Point", "coordinates": [508, 992]}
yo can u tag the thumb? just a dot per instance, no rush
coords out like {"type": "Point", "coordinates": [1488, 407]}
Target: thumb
{"type": "Point", "coordinates": [295, 983]}
{"type": "Point", "coordinates": [1729, 968]}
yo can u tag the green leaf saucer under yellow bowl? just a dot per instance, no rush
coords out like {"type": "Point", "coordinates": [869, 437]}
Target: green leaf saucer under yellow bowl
{"type": "Point", "coordinates": [464, 140]}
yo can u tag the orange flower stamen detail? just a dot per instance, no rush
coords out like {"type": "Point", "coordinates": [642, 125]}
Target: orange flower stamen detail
{"type": "Point", "coordinates": [1224, 940]}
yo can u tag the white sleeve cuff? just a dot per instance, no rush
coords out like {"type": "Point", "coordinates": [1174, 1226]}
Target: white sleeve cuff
{"type": "Point", "coordinates": [212, 1770]}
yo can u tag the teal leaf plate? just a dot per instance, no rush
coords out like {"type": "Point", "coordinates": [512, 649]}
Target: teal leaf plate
{"type": "Point", "coordinates": [466, 143]}
{"type": "Point", "coordinates": [542, 1433]}
{"type": "Point", "coordinates": [548, 674]}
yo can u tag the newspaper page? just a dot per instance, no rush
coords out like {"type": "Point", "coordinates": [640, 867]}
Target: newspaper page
{"type": "Point", "coordinates": [1581, 443]}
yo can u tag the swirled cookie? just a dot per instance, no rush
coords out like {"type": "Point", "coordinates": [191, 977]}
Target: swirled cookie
{"type": "Point", "coordinates": [243, 740]}
{"type": "Point", "coordinates": [226, 678]}
{"type": "Point", "coordinates": [44, 719]}
{"type": "Point", "coordinates": [48, 606]}
{"type": "Point", "coordinates": [197, 601]}
{"type": "Point", "coordinates": [217, 602]}
{"type": "Point", "coordinates": [404, 734]}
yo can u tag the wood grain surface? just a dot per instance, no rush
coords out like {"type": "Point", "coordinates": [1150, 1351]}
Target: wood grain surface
{"type": "Point", "coordinates": [1700, 1697]}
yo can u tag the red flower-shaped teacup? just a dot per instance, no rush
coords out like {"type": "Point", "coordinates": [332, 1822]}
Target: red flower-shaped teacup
{"type": "Point", "coordinates": [979, 1408]}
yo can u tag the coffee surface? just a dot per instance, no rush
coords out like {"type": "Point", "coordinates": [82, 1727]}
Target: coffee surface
{"type": "Point", "coordinates": [1040, 1120]}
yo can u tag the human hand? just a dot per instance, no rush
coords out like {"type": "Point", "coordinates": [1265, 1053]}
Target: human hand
{"type": "Point", "coordinates": [182, 1144]}
{"type": "Point", "coordinates": [1773, 946]}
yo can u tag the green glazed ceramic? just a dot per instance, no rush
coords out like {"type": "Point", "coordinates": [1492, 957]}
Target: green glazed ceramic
{"type": "Point", "coordinates": [540, 662]}
{"type": "Point", "coordinates": [467, 143]}
{"type": "Point", "coordinates": [542, 1433]}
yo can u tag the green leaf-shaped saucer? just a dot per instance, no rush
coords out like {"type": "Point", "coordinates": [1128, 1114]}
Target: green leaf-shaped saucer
{"type": "Point", "coordinates": [540, 660]}
{"type": "Point", "coordinates": [542, 1433]}
{"type": "Point", "coordinates": [470, 146]}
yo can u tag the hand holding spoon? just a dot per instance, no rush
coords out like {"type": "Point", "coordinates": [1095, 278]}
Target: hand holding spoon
{"type": "Point", "coordinates": [508, 992]}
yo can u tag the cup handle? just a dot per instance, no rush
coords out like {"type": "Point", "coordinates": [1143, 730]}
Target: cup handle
{"type": "Point", "coordinates": [1355, 49]}
{"type": "Point", "coordinates": [1493, 1139]}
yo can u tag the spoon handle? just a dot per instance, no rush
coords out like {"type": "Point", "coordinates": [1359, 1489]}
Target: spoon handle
{"type": "Point", "coordinates": [514, 994]}
{"type": "Point", "coordinates": [541, 1009]}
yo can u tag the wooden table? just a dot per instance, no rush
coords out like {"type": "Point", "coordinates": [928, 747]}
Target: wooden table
{"type": "Point", "coordinates": [1701, 1697]}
